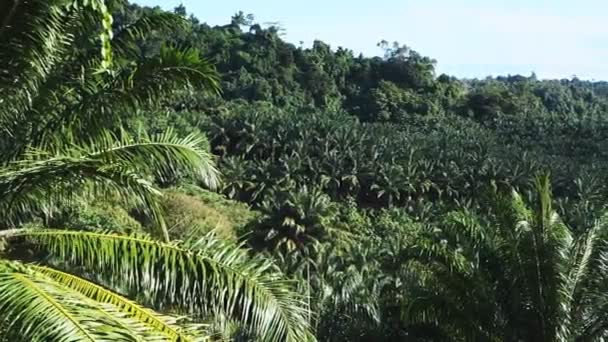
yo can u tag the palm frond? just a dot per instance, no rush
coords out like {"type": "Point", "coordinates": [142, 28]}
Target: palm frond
{"type": "Point", "coordinates": [103, 101]}
{"type": "Point", "coordinates": [207, 277]}
{"type": "Point", "coordinates": [29, 50]}
{"type": "Point", "coordinates": [124, 41]}
{"type": "Point", "coordinates": [41, 309]}
{"type": "Point", "coordinates": [164, 155]}
{"type": "Point", "coordinates": [574, 275]}
{"type": "Point", "coordinates": [172, 68]}
{"type": "Point", "coordinates": [108, 166]}
{"type": "Point", "coordinates": [51, 90]}
{"type": "Point", "coordinates": [103, 295]}
{"type": "Point", "coordinates": [594, 321]}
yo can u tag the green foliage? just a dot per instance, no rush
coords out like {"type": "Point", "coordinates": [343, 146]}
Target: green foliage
{"type": "Point", "coordinates": [520, 276]}
{"type": "Point", "coordinates": [351, 159]}
{"type": "Point", "coordinates": [104, 167]}
{"type": "Point", "coordinates": [351, 162]}
{"type": "Point", "coordinates": [57, 314]}
{"type": "Point", "coordinates": [63, 307]}
{"type": "Point", "coordinates": [370, 191]}
{"type": "Point", "coordinates": [72, 144]}
{"type": "Point", "coordinates": [196, 276]}
{"type": "Point", "coordinates": [97, 216]}
{"type": "Point", "coordinates": [293, 220]}
{"type": "Point", "coordinates": [192, 211]}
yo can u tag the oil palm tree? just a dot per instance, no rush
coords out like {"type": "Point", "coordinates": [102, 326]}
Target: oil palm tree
{"type": "Point", "coordinates": [522, 277]}
{"type": "Point", "coordinates": [62, 108]}
{"type": "Point", "coordinates": [293, 219]}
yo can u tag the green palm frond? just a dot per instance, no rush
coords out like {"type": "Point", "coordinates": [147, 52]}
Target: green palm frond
{"type": "Point", "coordinates": [164, 155]}
{"type": "Point", "coordinates": [594, 321]}
{"type": "Point", "coordinates": [109, 166]}
{"type": "Point", "coordinates": [103, 295]}
{"type": "Point", "coordinates": [29, 50]}
{"type": "Point", "coordinates": [205, 277]}
{"type": "Point", "coordinates": [522, 276]}
{"type": "Point", "coordinates": [50, 89]}
{"type": "Point", "coordinates": [172, 68]}
{"type": "Point", "coordinates": [125, 40]}
{"type": "Point", "coordinates": [574, 276]}
{"type": "Point", "coordinates": [104, 101]}
{"type": "Point", "coordinates": [42, 309]}
{"type": "Point", "coordinates": [32, 187]}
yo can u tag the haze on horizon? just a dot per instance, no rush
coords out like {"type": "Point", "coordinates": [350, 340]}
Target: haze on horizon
{"type": "Point", "coordinates": [471, 39]}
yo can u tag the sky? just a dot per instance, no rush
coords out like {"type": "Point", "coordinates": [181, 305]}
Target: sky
{"type": "Point", "coordinates": [468, 38]}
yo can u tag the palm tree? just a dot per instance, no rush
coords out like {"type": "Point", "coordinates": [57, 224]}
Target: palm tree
{"type": "Point", "coordinates": [524, 277]}
{"type": "Point", "coordinates": [345, 291]}
{"type": "Point", "coordinates": [293, 219]}
{"type": "Point", "coordinates": [62, 109]}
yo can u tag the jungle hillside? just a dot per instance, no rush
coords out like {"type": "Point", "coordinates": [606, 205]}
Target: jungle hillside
{"type": "Point", "coordinates": [162, 179]}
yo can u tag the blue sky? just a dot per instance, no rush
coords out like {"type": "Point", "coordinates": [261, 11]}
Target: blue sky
{"type": "Point", "coordinates": [468, 38]}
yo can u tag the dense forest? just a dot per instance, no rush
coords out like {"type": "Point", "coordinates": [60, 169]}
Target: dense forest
{"type": "Point", "coordinates": [162, 179]}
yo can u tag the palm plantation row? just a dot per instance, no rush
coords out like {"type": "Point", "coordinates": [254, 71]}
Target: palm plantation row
{"type": "Point", "coordinates": [421, 262]}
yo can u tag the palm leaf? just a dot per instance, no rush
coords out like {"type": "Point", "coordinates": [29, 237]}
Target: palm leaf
{"type": "Point", "coordinates": [107, 166]}
{"type": "Point", "coordinates": [103, 101]}
{"type": "Point", "coordinates": [41, 309]}
{"type": "Point", "coordinates": [103, 295]}
{"type": "Point", "coordinates": [31, 49]}
{"type": "Point", "coordinates": [206, 277]}
{"type": "Point", "coordinates": [125, 40]}
{"type": "Point", "coordinates": [164, 153]}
